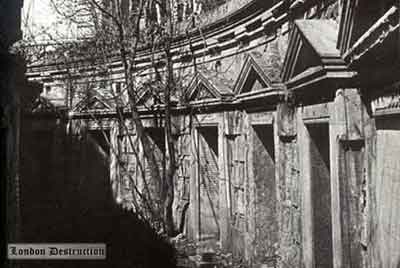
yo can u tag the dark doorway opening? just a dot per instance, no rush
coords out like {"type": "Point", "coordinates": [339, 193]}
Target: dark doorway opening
{"type": "Point", "coordinates": [157, 137]}
{"type": "Point", "coordinates": [265, 220]}
{"type": "Point", "coordinates": [96, 187]}
{"type": "Point", "coordinates": [265, 137]}
{"type": "Point", "coordinates": [208, 182]}
{"type": "Point", "coordinates": [157, 140]}
{"type": "Point", "coordinates": [321, 195]}
{"type": "Point", "coordinates": [210, 136]}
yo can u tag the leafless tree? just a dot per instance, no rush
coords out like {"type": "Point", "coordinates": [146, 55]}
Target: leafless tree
{"type": "Point", "coordinates": [116, 30]}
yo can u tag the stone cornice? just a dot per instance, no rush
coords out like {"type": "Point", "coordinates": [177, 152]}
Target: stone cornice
{"type": "Point", "coordinates": [388, 102]}
{"type": "Point", "coordinates": [260, 99]}
{"type": "Point", "coordinates": [255, 21]}
{"type": "Point", "coordinates": [386, 26]}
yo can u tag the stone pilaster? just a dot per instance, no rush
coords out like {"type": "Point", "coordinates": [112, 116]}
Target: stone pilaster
{"type": "Point", "coordinates": [288, 188]}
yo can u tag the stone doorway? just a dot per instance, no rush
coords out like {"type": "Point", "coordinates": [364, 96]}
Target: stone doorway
{"type": "Point", "coordinates": [320, 184]}
{"type": "Point", "coordinates": [208, 181]}
{"type": "Point", "coordinates": [96, 189]}
{"type": "Point", "coordinates": [265, 217]}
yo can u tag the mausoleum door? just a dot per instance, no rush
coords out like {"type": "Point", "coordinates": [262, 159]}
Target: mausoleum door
{"type": "Point", "coordinates": [208, 183]}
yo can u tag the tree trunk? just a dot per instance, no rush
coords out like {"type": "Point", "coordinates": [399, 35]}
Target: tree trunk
{"type": "Point", "coordinates": [171, 163]}
{"type": "Point", "coordinates": [139, 128]}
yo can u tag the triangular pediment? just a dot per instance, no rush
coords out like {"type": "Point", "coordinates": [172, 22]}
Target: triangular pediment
{"type": "Point", "coordinates": [354, 25]}
{"type": "Point", "coordinates": [252, 77]}
{"type": "Point", "coordinates": [311, 42]}
{"type": "Point", "coordinates": [377, 46]}
{"type": "Point", "coordinates": [94, 102]}
{"type": "Point", "coordinates": [201, 89]}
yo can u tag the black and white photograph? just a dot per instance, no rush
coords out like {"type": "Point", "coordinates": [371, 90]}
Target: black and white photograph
{"type": "Point", "coordinates": [200, 133]}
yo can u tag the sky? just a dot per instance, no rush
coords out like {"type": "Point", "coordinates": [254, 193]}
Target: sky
{"type": "Point", "coordinates": [40, 20]}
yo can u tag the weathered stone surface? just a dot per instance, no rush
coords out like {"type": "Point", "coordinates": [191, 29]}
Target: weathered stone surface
{"type": "Point", "coordinates": [298, 180]}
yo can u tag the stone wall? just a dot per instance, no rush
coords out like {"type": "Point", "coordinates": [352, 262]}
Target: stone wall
{"type": "Point", "coordinates": [303, 173]}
